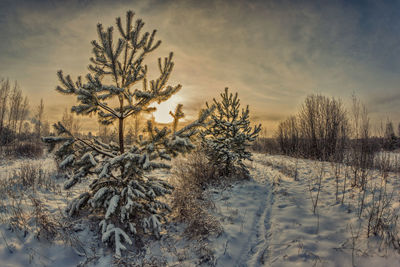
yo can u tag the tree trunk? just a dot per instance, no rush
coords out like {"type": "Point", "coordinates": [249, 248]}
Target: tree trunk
{"type": "Point", "coordinates": [121, 125]}
{"type": "Point", "coordinates": [121, 135]}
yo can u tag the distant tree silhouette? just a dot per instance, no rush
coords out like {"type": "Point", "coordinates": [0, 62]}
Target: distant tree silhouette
{"type": "Point", "coordinates": [319, 130]}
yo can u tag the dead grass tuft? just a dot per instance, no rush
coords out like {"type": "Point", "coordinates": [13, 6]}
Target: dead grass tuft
{"type": "Point", "coordinates": [29, 176]}
{"type": "Point", "coordinates": [29, 150]}
{"type": "Point", "coordinates": [190, 200]}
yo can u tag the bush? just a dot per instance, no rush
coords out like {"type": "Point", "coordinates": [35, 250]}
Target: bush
{"type": "Point", "coordinates": [266, 145]}
{"type": "Point", "coordinates": [29, 150]}
{"type": "Point", "coordinates": [6, 136]}
{"type": "Point", "coordinates": [189, 202]}
{"type": "Point", "coordinates": [195, 170]}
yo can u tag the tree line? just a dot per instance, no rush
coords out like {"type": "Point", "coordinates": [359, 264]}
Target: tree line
{"type": "Point", "coordinates": [18, 121]}
{"type": "Point", "coordinates": [324, 129]}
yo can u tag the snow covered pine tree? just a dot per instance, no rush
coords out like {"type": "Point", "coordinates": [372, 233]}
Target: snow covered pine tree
{"type": "Point", "coordinates": [228, 135]}
{"type": "Point", "coordinates": [121, 191]}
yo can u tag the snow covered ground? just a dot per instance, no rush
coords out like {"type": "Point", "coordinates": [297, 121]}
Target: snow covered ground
{"type": "Point", "coordinates": [297, 237]}
{"type": "Point", "coordinates": [8, 167]}
{"type": "Point", "coordinates": [29, 245]}
{"type": "Point", "coordinates": [266, 221]}
{"type": "Point", "coordinates": [269, 221]}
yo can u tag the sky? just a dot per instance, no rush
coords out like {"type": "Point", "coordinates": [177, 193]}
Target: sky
{"type": "Point", "coordinates": [273, 53]}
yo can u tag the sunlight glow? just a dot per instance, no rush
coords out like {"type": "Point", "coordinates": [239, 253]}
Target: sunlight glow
{"type": "Point", "coordinates": [162, 115]}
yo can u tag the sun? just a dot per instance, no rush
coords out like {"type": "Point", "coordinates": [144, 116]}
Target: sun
{"type": "Point", "coordinates": [161, 115]}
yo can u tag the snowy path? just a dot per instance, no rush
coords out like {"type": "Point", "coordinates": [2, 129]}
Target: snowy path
{"type": "Point", "coordinates": [260, 253]}
{"type": "Point", "coordinates": [245, 212]}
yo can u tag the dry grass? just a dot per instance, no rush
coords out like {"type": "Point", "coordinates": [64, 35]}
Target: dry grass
{"type": "Point", "coordinates": [20, 206]}
{"type": "Point", "coordinates": [28, 215]}
{"type": "Point", "coordinates": [190, 201]}
{"type": "Point", "coordinates": [388, 162]}
{"type": "Point", "coordinates": [29, 150]}
{"type": "Point", "coordinates": [287, 170]}
{"type": "Point", "coordinates": [29, 176]}
{"type": "Point", "coordinates": [22, 210]}
{"type": "Point", "coordinates": [46, 225]}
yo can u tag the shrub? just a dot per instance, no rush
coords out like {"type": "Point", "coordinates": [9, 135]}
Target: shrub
{"type": "Point", "coordinates": [29, 150]}
{"type": "Point", "coordinates": [6, 137]}
{"type": "Point", "coordinates": [266, 145]}
{"type": "Point", "coordinates": [189, 201]}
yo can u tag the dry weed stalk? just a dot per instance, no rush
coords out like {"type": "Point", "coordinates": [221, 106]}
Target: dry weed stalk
{"type": "Point", "coordinates": [318, 183]}
{"type": "Point", "coordinates": [336, 167]}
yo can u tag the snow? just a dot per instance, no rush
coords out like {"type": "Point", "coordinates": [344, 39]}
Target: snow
{"type": "Point", "coordinates": [112, 206]}
{"type": "Point", "coordinates": [8, 167]}
{"type": "Point", "coordinates": [267, 221]}
{"type": "Point", "coordinates": [300, 238]}
{"type": "Point", "coordinates": [68, 160]}
{"type": "Point", "coordinates": [118, 233]}
{"type": "Point", "coordinates": [26, 247]}
{"type": "Point", "coordinates": [244, 212]}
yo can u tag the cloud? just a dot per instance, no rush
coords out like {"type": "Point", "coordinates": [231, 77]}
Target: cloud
{"type": "Point", "coordinates": [273, 53]}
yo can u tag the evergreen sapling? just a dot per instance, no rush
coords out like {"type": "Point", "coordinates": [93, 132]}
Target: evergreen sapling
{"type": "Point", "coordinates": [228, 135]}
{"type": "Point", "coordinates": [121, 191]}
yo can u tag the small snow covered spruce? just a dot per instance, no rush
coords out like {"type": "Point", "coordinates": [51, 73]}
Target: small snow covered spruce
{"type": "Point", "coordinates": [228, 135]}
{"type": "Point", "coordinates": [121, 191]}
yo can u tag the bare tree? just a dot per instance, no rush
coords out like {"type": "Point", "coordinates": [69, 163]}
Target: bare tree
{"type": "Point", "coordinates": [398, 130]}
{"type": "Point", "coordinates": [14, 108]}
{"type": "Point", "coordinates": [362, 150]}
{"type": "Point", "coordinates": [26, 128]}
{"type": "Point", "coordinates": [309, 120]}
{"type": "Point", "coordinates": [356, 109]}
{"type": "Point", "coordinates": [71, 122]}
{"type": "Point", "coordinates": [39, 118]}
{"type": "Point", "coordinates": [23, 114]}
{"type": "Point", "coordinates": [322, 122]}
{"type": "Point", "coordinates": [15, 104]}
{"type": "Point", "coordinates": [320, 130]}
{"type": "Point", "coordinates": [4, 94]}
{"type": "Point", "coordinates": [288, 136]}
{"type": "Point", "coordinates": [390, 139]}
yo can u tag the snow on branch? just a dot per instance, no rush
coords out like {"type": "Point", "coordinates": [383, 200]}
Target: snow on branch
{"type": "Point", "coordinates": [229, 134]}
{"type": "Point", "coordinates": [115, 88]}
